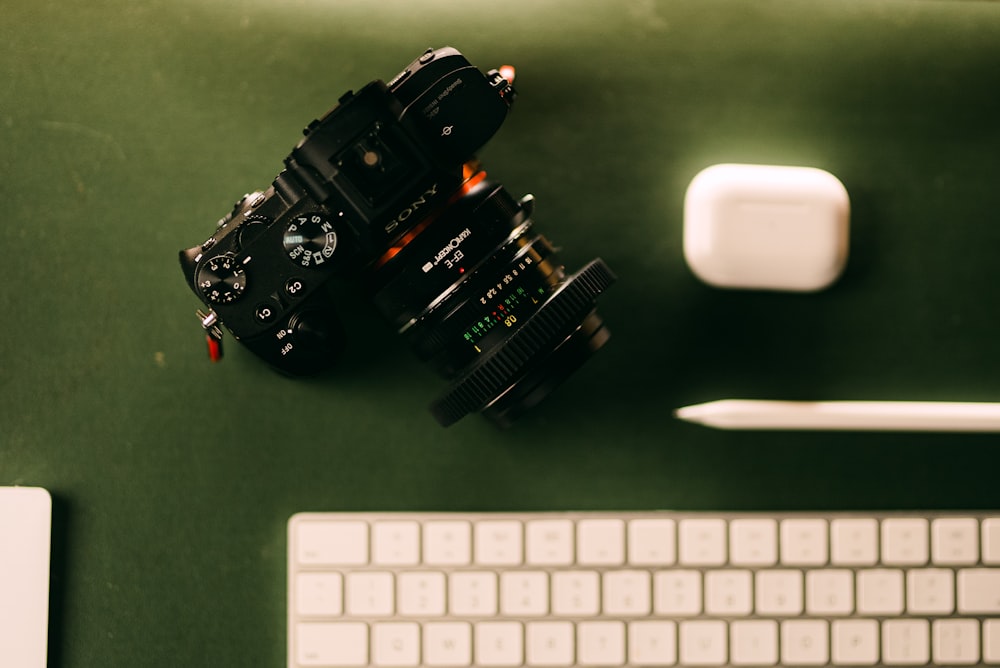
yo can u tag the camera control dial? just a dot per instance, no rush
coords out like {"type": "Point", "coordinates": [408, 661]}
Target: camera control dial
{"type": "Point", "coordinates": [221, 279]}
{"type": "Point", "coordinates": [310, 239]}
{"type": "Point", "coordinates": [251, 228]}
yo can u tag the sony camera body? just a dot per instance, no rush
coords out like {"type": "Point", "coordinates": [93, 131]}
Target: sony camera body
{"type": "Point", "coordinates": [385, 187]}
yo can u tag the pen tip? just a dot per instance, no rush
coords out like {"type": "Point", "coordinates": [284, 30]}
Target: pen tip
{"type": "Point", "coordinates": [685, 413]}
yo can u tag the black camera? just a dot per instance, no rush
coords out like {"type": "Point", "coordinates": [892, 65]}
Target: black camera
{"type": "Point", "coordinates": [385, 190]}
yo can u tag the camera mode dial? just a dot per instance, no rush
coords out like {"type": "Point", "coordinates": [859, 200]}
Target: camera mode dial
{"type": "Point", "coordinates": [310, 239]}
{"type": "Point", "coordinates": [221, 279]}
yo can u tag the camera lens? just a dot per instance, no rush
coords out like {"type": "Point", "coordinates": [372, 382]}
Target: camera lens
{"type": "Point", "coordinates": [485, 301]}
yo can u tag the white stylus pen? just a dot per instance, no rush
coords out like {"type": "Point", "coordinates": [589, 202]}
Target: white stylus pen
{"type": "Point", "coordinates": [944, 416]}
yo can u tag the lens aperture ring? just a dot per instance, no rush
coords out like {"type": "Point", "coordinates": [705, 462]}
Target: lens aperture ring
{"type": "Point", "coordinates": [546, 328]}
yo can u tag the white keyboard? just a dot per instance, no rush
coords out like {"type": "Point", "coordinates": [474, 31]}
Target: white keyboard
{"type": "Point", "coordinates": [643, 589]}
{"type": "Point", "coordinates": [25, 538]}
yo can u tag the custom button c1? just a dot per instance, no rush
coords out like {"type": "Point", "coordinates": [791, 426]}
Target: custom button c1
{"type": "Point", "coordinates": [266, 313]}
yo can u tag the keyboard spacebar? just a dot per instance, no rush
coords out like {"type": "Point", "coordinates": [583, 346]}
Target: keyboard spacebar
{"type": "Point", "coordinates": [979, 591]}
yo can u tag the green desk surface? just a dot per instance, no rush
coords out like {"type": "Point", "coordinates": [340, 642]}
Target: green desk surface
{"type": "Point", "coordinates": [127, 129]}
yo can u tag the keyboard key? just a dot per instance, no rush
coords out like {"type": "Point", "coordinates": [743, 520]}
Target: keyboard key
{"type": "Point", "coordinates": [524, 593]}
{"type": "Point", "coordinates": [906, 642]}
{"type": "Point", "coordinates": [498, 543]}
{"type": "Point", "coordinates": [601, 643]}
{"type": "Point", "coordinates": [702, 542]}
{"type": "Point", "coordinates": [779, 592]}
{"type": "Point", "coordinates": [600, 542]}
{"type": "Point", "coordinates": [677, 593]}
{"type": "Point", "coordinates": [472, 594]}
{"type": "Point", "coordinates": [991, 641]}
{"type": "Point", "coordinates": [447, 644]}
{"type": "Point", "coordinates": [549, 542]}
{"type": "Point", "coordinates": [956, 642]}
{"type": "Point", "coordinates": [396, 543]}
{"type": "Point", "coordinates": [652, 542]}
{"type": "Point", "coordinates": [880, 592]}
{"type": "Point", "coordinates": [805, 642]}
{"type": "Point", "coordinates": [319, 594]}
{"type": "Point", "coordinates": [854, 542]}
{"type": "Point", "coordinates": [979, 591]}
{"type": "Point", "coordinates": [652, 643]}
{"type": "Point", "coordinates": [370, 594]}
{"type": "Point", "coordinates": [332, 543]}
{"type": "Point", "coordinates": [905, 541]}
{"type": "Point", "coordinates": [930, 591]}
{"type": "Point", "coordinates": [550, 643]}
{"type": "Point", "coordinates": [626, 593]}
{"type": "Point", "coordinates": [804, 542]}
{"type": "Point", "coordinates": [955, 541]}
{"type": "Point", "coordinates": [728, 593]}
{"type": "Point", "coordinates": [991, 540]}
{"type": "Point", "coordinates": [854, 642]}
{"type": "Point", "coordinates": [753, 643]}
{"type": "Point", "coordinates": [331, 644]}
{"type": "Point", "coordinates": [703, 643]}
{"type": "Point", "coordinates": [576, 593]}
{"type": "Point", "coordinates": [753, 542]}
{"type": "Point", "coordinates": [447, 543]}
{"type": "Point", "coordinates": [829, 592]}
{"type": "Point", "coordinates": [395, 644]}
{"type": "Point", "coordinates": [421, 593]}
{"type": "Point", "coordinates": [499, 644]}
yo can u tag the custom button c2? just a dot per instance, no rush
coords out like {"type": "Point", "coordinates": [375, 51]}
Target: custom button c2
{"type": "Point", "coordinates": [294, 287]}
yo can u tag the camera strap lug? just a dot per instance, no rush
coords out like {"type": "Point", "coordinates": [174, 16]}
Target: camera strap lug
{"type": "Point", "coordinates": [213, 333]}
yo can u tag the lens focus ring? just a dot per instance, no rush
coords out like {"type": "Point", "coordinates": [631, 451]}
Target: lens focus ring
{"type": "Point", "coordinates": [544, 330]}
